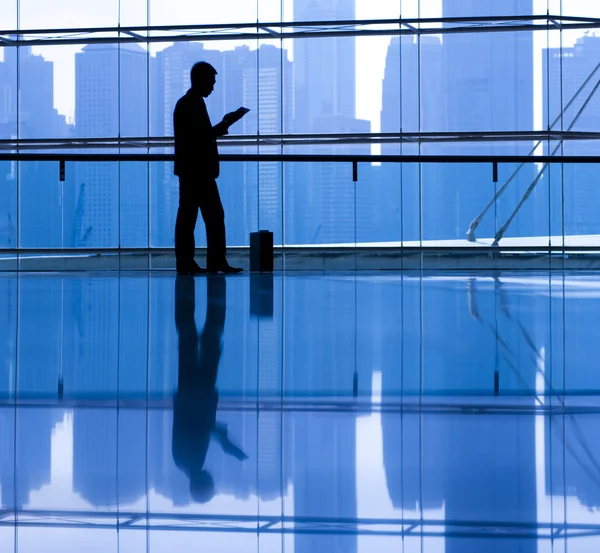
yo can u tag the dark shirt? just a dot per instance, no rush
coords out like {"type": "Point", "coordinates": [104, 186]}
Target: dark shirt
{"type": "Point", "coordinates": [196, 152]}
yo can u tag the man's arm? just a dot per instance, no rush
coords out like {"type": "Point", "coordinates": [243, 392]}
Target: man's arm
{"type": "Point", "coordinates": [221, 129]}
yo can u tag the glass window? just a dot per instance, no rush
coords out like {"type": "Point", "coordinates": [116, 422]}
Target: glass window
{"type": "Point", "coordinates": [415, 89]}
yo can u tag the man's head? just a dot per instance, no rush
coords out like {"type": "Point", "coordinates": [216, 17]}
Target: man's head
{"type": "Point", "coordinates": [203, 78]}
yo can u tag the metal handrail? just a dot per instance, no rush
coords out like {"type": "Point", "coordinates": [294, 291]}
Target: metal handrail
{"type": "Point", "coordinates": [354, 160]}
{"type": "Point", "coordinates": [309, 158]}
{"type": "Point", "coordinates": [303, 139]}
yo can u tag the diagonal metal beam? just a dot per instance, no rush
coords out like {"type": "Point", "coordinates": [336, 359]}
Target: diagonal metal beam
{"type": "Point", "coordinates": [411, 28]}
{"type": "Point", "coordinates": [134, 35]}
{"type": "Point", "coordinates": [272, 32]}
{"type": "Point", "coordinates": [556, 24]}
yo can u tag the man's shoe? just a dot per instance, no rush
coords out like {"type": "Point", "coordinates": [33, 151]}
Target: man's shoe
{"type": "Point", "coordinates": [199, 270]}
{"type": "Point", "coordinates": [193, 269]}
{"type": "Point", "coordinates": [227, 269]}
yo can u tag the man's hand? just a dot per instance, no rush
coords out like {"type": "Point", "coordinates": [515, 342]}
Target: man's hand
{"type": "Point", "coordinates": [222, 128]}
{"type": "Point", "coordinates": [229, 119]}
{"type": "Point", "coordinates": [236, 115]}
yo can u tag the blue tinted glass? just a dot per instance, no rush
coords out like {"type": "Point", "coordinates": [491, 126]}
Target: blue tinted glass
{"type": "Point", "coordinates": [242, 403]}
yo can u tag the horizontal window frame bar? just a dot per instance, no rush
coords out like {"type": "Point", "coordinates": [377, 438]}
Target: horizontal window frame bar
{"type": "Point", "coordinates": [309, 23]}
{"type": "Point", "coordinates": [298, 29]}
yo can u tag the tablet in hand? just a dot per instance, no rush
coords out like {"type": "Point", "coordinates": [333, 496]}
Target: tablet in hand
{"type": "Point", "coordinates": [237, 114]}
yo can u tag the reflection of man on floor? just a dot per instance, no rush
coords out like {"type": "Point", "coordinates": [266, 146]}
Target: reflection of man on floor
{"type": "Point", "coordinates": [195, 403]}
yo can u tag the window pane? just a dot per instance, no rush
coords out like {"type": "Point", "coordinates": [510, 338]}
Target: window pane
{"type": "Point", "coordinates": [8, 201]}
{"type": "Point", "coordinates": [581, 225]}
{"type": "Point", "coordinates": [64, 14]}
{"type": "Point", "coordinates": [133, 13]}
{"type": "Point", "coordinates": [238, 186]}
{"type": "Point", "coordinates": [8, 130]}
{"type": "Point", "coordinates": [271, 10]}
{"type": "Point", "coordinates": [133, 64]}
{"type": "Point", "coordinates": [320, 203]}
{"type": "Point", "coordinates": [488, 82]}
{"type": "Point", "coordinates": [41, 207]}
{"type": "Point", "coordinates": [269, 203]}
{"type": "Point", "coordinates": [91, 218]}
{"type": "Point", "coordinates": [97, 91]}
{"type": "Point", "coordinates": [8, 92]}
{"type": "Point", "coordinates": [482, 8]}
{"type": "Point", "coordinates": [324, 85]}
{"type": "Point", "coordinates": [182, 12]}
{"type": "Point", "coordinates": [133, 212]}
{"type": "Point", "coordinates": [164, 199]}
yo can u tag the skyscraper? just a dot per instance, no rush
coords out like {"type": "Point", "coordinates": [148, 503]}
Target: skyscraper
{"type": "Point", "coordinates": [237, 181]}
{"type": "Point", "coordinates": [488, 86]}
{"type": "Point", "coordinates": [333, 211]}
{"type": "Point", "coordinates": [108, 204]}
{"type": "Point", "coordinates": [324, 68]}
{"type": "Point", "coordinates": [8, 169]}
{"type": "Point", "coordinates": [30, 113]}
{"type": "Point", "coordinates": [324, 85]}
{"type": "Point", "coordinates": [412, 101]}
{"type": "Point", "coordinates": [565, 71]}
{"type": "Point", "coordinates": [263, 92]}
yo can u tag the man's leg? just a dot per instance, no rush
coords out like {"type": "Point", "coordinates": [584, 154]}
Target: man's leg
{"type": "Point", "coordinates": [214, 219]}
{"type": "Point", "coordinates": [187, 215]}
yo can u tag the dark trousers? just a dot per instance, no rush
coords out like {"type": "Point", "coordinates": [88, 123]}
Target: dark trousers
{"type": "Point", "coordinates": [194, 193]}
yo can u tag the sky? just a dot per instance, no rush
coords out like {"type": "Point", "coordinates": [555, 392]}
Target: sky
{"type": "Point", "coordinates": [370, 51]}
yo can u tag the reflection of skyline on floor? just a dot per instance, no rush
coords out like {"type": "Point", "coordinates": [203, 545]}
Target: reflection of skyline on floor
{"type": "Point", "coordinates": [408, 335]}
{"type": "Point", "coordinates": [430, 464]}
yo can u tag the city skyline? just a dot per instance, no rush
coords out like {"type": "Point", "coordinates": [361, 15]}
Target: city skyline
{"type": "Point", "coordinates": [371, 51]}
{"type": "Point", "coordinates": [66, 97]}
{"type": "Point", "coordinates": [120, 91]}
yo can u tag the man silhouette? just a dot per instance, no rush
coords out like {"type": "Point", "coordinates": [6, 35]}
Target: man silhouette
{"type": "Point", "coordinates": [197, 166]}
{"type": "Point", "coordinates": [195, 403]}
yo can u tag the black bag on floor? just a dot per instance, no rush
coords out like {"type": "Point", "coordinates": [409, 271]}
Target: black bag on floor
{"type": "Point", "coordinates": [261, 251]}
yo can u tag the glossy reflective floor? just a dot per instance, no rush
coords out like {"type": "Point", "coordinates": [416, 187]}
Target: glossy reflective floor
{"type": "Point", "coordinates": [337, 412]}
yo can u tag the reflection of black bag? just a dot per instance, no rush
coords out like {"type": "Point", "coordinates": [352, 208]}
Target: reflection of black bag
{"type": "Point", "coordinates": [261, 251]}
